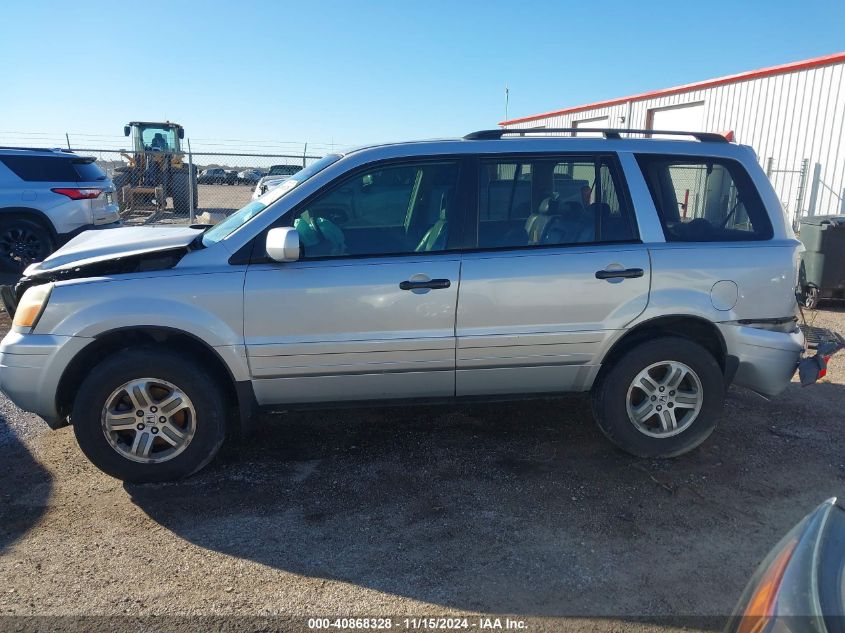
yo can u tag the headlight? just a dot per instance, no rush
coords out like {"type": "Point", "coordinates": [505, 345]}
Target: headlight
{"type": "Point", "coordinates": [31, 306]}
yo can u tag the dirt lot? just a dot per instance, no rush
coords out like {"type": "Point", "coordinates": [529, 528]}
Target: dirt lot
{"type": "Point", "coordinates": [225, 198]}
{"type": "Point", "coordinates": [213, 198]}
{"type": "Point", "coordinates": [517, 509]}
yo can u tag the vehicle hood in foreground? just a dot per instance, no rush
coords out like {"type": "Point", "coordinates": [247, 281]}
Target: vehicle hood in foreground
{"type": "Point", "coordinates": [91, 247]}
{"type": "Point", "coordinates": [798, 586]}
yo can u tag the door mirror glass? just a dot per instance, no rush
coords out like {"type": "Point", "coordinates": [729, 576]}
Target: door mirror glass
{"type": "Point", "coordinates": [283, 244]}
{"type": "Point", "coordinates": [125, 130]}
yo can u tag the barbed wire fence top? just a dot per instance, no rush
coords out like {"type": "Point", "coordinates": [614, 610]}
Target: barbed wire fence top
{"type": "Point", "coordinates": [155, 187]}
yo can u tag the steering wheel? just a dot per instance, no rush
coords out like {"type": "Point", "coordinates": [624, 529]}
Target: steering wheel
{"type": "Point", "coordinates": [328, 234]}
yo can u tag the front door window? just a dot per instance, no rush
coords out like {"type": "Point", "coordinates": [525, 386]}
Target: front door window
{"type": "Point", "coordinates": [386, 210]}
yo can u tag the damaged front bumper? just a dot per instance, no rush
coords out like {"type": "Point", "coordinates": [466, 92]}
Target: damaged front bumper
{"type": "Point", "coordinates": [31, 368]}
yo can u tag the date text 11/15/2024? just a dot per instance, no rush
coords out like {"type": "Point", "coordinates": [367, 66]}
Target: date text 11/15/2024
{"type": "Point", "coordinates": [418, 623]}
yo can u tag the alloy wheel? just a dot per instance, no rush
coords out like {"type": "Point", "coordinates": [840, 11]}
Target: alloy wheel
{"type": "Point", "coordinates": [149, 420]}
{"type": "Point", "coordinates": [20, 246]}
{"type": "Point", "coordinates": [664, 399]}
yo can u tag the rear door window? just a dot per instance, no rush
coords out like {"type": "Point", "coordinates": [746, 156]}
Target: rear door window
{"type": "Point", "coordinates": [705, 199]}
{"type": "Point", "coordinates": [552, 200]}
{"type": "Point", "coordinates": [53, 169]}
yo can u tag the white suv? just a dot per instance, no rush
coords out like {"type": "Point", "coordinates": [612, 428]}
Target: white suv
{"type": "Point", "coordinates": [46, 198]}
{"type": "Point", "coordinates": [275, 177]}
{"type": "Point", "coordinates": [651, 273]}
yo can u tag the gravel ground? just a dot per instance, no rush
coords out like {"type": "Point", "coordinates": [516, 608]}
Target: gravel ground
{"type": "Point", "coordinates": [212, 198]}
{"type": "Point", "coordinates": [519, 509]}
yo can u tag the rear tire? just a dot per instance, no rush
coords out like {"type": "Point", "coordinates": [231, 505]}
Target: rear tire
{"type": "Point", "coordinates": [22, 242]}
{"type": "Point", "coordinates": [163, 444]}
{"type": "Point", "coordinates": [633, 406]}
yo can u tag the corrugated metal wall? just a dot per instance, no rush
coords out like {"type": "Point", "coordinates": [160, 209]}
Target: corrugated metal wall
{"type": "Point", "coordinates": [787, 118]}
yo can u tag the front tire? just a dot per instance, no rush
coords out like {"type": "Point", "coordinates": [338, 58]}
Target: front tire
{"type": "Point", "coordinates": [149, 415]}
{"type": "Point", "coordinates": [661, 399]}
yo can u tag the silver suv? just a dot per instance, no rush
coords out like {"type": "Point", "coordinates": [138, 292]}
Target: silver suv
{"type": "Point", "coordinates": [46, 198]}
{"type": "Point", "coordinates": [651, 273]}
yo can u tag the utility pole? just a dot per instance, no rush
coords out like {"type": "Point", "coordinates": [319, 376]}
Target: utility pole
{"type": "Point", "coordinates": [507, 98]}
{"type": "Point", "coordinates": [192, 182]}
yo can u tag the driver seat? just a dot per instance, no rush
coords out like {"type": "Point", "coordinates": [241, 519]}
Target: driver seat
{"type": "Point", "coordinates": [435, 238]}
{"type": "Point", "coordinates": [159, 144]}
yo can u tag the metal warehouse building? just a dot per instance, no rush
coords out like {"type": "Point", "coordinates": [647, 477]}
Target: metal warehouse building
{"type": "Point", "coordinates": [793, 116]}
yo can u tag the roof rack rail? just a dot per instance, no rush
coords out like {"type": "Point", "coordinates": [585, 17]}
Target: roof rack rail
{"type": "Point", "coordinates": [483, 135]}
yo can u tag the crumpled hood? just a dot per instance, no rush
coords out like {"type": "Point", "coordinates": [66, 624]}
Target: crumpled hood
{"type": "Point", "coordinates": [101, 245]}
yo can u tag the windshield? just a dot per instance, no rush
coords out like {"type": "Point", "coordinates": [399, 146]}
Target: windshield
{"type": "Point", "coordinates": [158, 138]}
{"type": "Point", "coordinates": [235, 221]}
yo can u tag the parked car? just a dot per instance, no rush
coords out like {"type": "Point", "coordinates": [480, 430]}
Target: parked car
{"type": "Point", "coordinates": [276, 176]}
{"type": "Point", "coordinates": [249, 176]}
{"type": "Point", "coordinates": [231, 177]}
{"type": "Point", "coordinates": [213, 176]}
{"type": "Point", "coordinates": [485, 267]}
{"type": "Point", "coordinates": [47, 196]}
{"type": "Point", "coordinates": [799, 585]}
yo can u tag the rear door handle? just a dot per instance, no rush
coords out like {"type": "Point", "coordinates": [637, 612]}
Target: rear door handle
{"type": "Point", "coordinates": [433, 284]}
{"type": "Point", "coordinates": [625, 273]}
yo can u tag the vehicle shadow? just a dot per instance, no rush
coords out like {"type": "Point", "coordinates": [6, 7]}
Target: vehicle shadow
{"type": "Point", "coordinates": [520, 508]}
{"type": "Point", "coordinates": [25, 487]}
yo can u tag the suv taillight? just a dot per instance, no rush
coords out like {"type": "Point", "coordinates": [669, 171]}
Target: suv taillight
{"type": "Point", "coordinates": [78, 194]}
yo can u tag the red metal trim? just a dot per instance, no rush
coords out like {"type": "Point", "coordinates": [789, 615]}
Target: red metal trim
{"type": "Point", "coordinates": [708, 83]}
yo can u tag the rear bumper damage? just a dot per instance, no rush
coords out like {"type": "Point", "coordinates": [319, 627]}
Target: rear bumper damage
{"type": "Point", "coordinates": [764, 361]}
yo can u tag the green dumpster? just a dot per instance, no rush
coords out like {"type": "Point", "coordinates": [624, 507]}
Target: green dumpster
{"type": "Point", "coordinates": [822, 274]}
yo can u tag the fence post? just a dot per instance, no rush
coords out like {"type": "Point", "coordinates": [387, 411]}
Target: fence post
{"type": "Point", "coordinates": [814, 189]}
{"type": "Point", "coordinates": [802, 185]}
{"type": "Point", "coordinates": [842, 202]}
{"type": "Point", "coordinates": [192, 212]}
{"type": "Point", "coordinates": [304, 152]}
{"type": "Point", "coordinates": [770, 164]}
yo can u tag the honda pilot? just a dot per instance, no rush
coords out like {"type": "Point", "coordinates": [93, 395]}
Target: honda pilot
{"type": "Point", "coordinates": [651, 273]}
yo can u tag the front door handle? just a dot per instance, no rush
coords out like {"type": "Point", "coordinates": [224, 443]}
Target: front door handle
{"type": "Point", "coordinates": [433, 284]}
{"type": "Point", "coordinates": [624, 273]}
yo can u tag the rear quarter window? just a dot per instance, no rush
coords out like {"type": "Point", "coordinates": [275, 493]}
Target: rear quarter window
{"type": "Point", "coordinates": [701, 199]}
{"type": "Point", "coordinates": [88, 172]}
{"type": "Point", "coordinates": [53, 169]}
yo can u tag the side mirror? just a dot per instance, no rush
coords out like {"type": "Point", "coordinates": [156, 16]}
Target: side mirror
{"type": "Point", "coordinates": [283, 244]}
{"type": "Point", "coordinates": [181, 132]}
{"type": "Point", "coordinates": [125, 130]}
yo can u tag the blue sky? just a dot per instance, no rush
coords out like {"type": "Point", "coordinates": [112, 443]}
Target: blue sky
{"type": "Point", "coordinates": [356, 72]}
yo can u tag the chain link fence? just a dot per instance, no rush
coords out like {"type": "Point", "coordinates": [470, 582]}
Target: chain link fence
{"type": "Point", "coordinates": [157, 187]}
